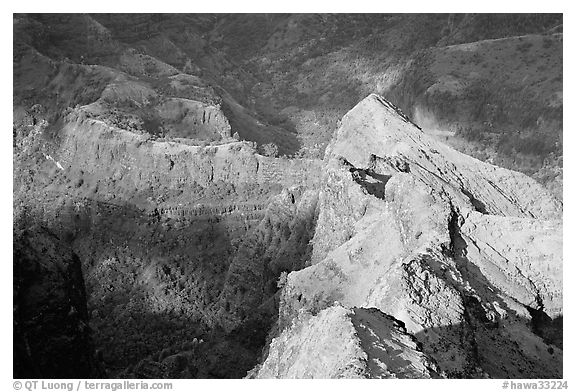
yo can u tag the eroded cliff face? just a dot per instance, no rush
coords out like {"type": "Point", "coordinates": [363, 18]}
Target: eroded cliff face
{"type": "Point", "coordinates": [346, 343]}
{"type": "Point", "coordinates": [465, 254]}
{"type": "Point", "coordinates": [279, 244]}
{"type": "Point", "coordinates": [127, 153]}
{"type": "Point", "coordinates": [171, 236]}
{"type": "Point", "coordinates": [418, 260]}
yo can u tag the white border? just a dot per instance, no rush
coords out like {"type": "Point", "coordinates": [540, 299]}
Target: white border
{"type": "Point", "coordinates": [221, 6]}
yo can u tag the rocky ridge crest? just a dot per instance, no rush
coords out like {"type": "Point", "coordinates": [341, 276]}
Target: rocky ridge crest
{"type": "Point", "coordinates": [467, 255]}
{"type": "Point", "coordinates": [425, 262]}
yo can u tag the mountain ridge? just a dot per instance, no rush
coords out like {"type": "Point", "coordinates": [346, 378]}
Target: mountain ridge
{"type": "Point", "coordinates": [393, 237]}
{"type": "Point", "coordinates": [246, 206]}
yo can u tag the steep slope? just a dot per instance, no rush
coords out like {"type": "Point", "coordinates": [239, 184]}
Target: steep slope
{"type": "Point", "coordinates": [423, 233]}
{"type": "Point", "coordinates": [279, 244]}
{"type": "Point", "coordinates": [499, 100]}
{"type": "Point", "coordinates": [488, 84]}
{"type": "Point", "coordinates": [287, 78]}
{"type": "Point", "coordinates": [343, 343]}
{"type": "Point", "coordinates": [376, 132]}
{"type": "Point", "coordinates": [51, 322]}
{"type": "Point", "coordinates": [150, 78]}
{"type": "Point", "coordinates": [128, 149]}
{"type": "Point", "coordinates": [157, 225]}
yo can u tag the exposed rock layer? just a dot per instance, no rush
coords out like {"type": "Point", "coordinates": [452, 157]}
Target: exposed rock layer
{"type": "Point", "coordinates": [403, 233]}
{"type": "Point", "coordinates": [344, 343]}
{"type": "Point", "coordinates": [466, 254]}
{"type": "Point", "coordinates": [165, 230]}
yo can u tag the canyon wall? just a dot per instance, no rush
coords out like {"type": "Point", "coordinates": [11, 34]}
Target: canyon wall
{"type": "Point", "coordinates": [467, 255]}
{"type": "Point", "coordinates": [164, 229]}
{"type": "Point", "coordinates": [422, 261]}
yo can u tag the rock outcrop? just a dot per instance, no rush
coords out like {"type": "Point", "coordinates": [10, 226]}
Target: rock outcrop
{"type": "Point", "coordinates": [136, 142]}
{"type": "Point", "coordinates": [124, 160]}
{"type": "Point", "coordinates": [377, 140]}
{"type": "Point", "coordinates": [195, 120]}
{"type": "Point", "coordinates": [419, 260]}
{"type": "Point", "coordinates": [171, 236]}
{"type": "Point", "coordinates": [346, 343]}
{"type": "Point", "coordinates": [467, 255]}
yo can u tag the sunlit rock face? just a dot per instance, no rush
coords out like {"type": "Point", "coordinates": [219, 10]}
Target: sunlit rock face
{"type": "Point", "coordinates": [346, 343]}
{"type": "Point", "coordinates": [446, 258]}
{"type": "Point", "coordinates": [183, 239]}
{"type": "Point", "coordinates": [466, 254]}
{"type": "Point", "coordinates": [174, 218]}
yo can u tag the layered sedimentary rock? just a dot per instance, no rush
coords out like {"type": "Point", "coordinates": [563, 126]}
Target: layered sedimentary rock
{"type": "Point", "coordinates": [165, 230]}
{"type": "Point", "coordinates": [123, 150]}
{"type": "Point", "coordinates": [418, 260]}
{"type": "Point", "coordinates": [134, 161]}
{"type": "Point", "coordinates": [466, 254]}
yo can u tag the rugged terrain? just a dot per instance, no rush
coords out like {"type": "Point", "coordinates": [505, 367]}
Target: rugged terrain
{"type": "Point", "coordinates": [191, 202]}
{"type": "Point", "coordinates": [166, 231]}
{"type": "Point", "coordinates": [488, 85]}
{"type": "Point", "coordinates": [468, 256]}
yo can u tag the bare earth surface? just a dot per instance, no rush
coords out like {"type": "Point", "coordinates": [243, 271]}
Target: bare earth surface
{"type": "Point", "coordinates": [203, 196]}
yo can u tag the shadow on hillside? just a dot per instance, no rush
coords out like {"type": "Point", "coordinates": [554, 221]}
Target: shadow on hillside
{"type": "Point", "coordinates": [499, 350]}
{"type": "Point", "coordinates": [152, 284]}
{"type": "Point", "coordinates": [249, 128]}
{"type": "Point", "coordinates": [149, 280]}
{"type": "Point", "coordinates": [150, 287]}
{"type": "Point", "coordinates": [502, 347]}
